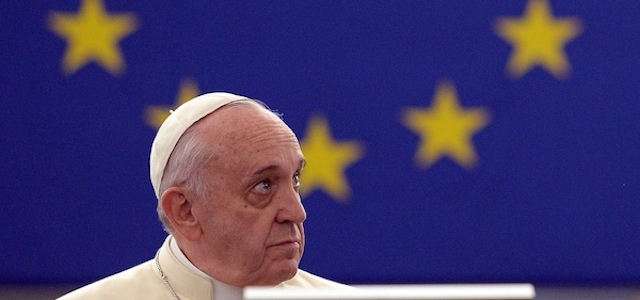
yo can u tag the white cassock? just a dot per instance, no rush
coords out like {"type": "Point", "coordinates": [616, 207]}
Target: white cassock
{"type": "Point", "coordinates": [145, 282]}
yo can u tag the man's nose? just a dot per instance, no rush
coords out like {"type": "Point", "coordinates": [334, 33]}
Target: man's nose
{"type": "Point", "coordinates": [291, 209]}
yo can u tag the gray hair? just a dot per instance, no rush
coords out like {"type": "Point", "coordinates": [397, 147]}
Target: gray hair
{"type": "Point", "coordinates": [187, 162]}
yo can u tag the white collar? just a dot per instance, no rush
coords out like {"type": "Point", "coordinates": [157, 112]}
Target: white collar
{"type": "Point", "coordinates": [221, 291]}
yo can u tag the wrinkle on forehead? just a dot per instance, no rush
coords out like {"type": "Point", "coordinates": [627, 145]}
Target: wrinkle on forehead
{"type": "Point", "coordinates": [255, 124]}
{"type": "Point", "coordinates": [245, 127]}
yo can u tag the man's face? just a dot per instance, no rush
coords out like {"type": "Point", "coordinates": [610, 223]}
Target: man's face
{"type": "Point", "coordinates": [252, 219]}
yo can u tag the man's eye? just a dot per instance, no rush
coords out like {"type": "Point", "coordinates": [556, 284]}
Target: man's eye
{"type": "Point", "coordinates": [296, 180]}
{"type": "Point", "coordinates": [263, 186]}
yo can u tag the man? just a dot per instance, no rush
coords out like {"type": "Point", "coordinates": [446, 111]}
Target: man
{"type": "Point", "coordinates": [225, 170]}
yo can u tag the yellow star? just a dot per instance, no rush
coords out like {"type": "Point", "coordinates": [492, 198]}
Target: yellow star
{"type": "Point", "coordinates": [327, 161]}
{"type": "Point", "coordinates": [538, 39]}
{"type": "Point", "coordinates": [92, 35]}
{"type": "Point", "coordinates": [446, 128]}
{"type": "Point", "coordinates": [156, 114]}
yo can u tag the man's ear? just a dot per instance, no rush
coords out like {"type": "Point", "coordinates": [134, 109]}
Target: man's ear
{"type": "Point", "coordinates": [177, 206]}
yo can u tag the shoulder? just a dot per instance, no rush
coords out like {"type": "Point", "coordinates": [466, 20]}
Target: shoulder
{"type": "Point", "coordinates": [139, 282]}
{"type": "Point", "coordinates": [305, 279]}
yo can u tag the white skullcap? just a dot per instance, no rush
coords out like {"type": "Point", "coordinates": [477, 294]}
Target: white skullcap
{"type": "Point", "coordinates": [176, 124]}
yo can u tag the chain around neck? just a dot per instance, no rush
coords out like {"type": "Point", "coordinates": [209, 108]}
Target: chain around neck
{"type": "Point", "coordinates": [164, 279]}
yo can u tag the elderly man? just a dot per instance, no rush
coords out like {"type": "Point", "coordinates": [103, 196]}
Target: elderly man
{"type": "Point", "coordinates": [226, 173]}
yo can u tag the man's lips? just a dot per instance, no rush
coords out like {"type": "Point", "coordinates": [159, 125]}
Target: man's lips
{"type": "Point", "coordinates": [287, 243]}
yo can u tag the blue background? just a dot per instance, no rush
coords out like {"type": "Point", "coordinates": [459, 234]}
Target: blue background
{"type": "Point", "coordinates": [554, 198]}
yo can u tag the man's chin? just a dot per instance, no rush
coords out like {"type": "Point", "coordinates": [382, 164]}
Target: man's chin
{"type": "Point", "coordinates": [288, 268]}
{"type": "Point", "coordinates": [277, 274]}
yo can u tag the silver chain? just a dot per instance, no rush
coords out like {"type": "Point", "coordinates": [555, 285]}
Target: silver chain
{"type": "Point", "coordinates": [164, 279]}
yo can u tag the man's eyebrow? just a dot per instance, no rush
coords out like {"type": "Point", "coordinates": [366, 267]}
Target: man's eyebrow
{"type": "Point", "coordinates": [303, 163]}
{"type": "Point", "coordinates": [268, 168]}
{"type": "Point", "coordinates": [265, 169]}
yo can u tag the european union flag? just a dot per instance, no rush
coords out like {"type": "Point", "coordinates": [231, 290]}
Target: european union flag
{"type": "Point", "coordinates": [464, 141]}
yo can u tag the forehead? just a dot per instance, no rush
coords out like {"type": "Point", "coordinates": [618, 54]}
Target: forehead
{"type": "Point", "coordinates": [245, 129]}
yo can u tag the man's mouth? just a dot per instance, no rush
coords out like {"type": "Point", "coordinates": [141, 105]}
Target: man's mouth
{"type": "Point", "coordinates": [287, 243]}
